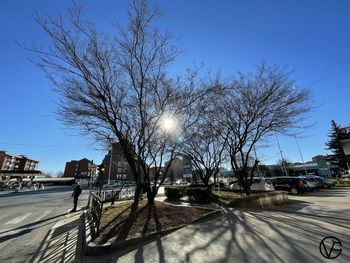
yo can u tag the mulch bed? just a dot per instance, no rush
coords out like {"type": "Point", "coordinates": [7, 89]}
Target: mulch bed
{"type": "Point", "coordinates": [115, 226]}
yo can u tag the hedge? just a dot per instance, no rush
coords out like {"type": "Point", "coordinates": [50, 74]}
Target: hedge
{"type": "Point", "coordinates": [199, 194]}
{"type": "Point", "coordinates": [174, 191]}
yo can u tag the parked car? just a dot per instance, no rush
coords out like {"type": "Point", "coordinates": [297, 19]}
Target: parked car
{"type": "Point", "coordinates": [317, 181]}
{"type": "Point", "coordinates": [259, 184]}
{"type": "Point", "coordinates": [294, 185]}
{"type": "Point", "coordinates": [310, 185]}
{"type": "Point", "coordinates": [326, 182]}
{"type": "Point", "coordinates": [167, 181]}
{"type": "Point", "coordinates": [181, 181]}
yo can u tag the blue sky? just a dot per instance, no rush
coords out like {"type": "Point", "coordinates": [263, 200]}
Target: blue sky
{"type": "Point", "coordinates": [311, 38]}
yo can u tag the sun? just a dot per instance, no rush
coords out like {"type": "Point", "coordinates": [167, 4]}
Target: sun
{"type": "Point", "coordinates": [168, 124]}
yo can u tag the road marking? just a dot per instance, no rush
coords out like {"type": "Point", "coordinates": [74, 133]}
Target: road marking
{"type": "Point", "coordinates": [1, 217]}
{"type": "Point", "coordinates": [18, 219]}
{"type": "Point", "coordinates": [42, 216]}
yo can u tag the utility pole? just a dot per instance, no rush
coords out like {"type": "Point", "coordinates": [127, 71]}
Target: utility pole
{"type": "Point", "coordinates": [301, 156]}
{"type": "Point", "coordinates": [110, 165]}
{"type": "Point", "coordinates": [283, 164]}
{"type": "Point", "coordinates": [256, 158]}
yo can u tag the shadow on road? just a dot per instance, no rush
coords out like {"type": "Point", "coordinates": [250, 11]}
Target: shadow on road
{"type": "Point", "coordinates": [63, 243]}
{"type": "Point", "coordinates": [33, 224]}
{"type": "Point", "coordinates": [36, 192]}
{"type": "Point", "coordinates": [17, 232]}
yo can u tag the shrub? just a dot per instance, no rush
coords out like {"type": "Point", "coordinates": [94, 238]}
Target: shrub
{"type": "Point", "coordinates": [219, 184]}
{"type": "Point", "coordinates": [174, 191]}
{"type": "Point", "coordinates": [199, 194]}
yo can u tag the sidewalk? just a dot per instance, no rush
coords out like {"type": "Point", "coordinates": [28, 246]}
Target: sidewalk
{"type": "Point", "coordinates": [64, 242]}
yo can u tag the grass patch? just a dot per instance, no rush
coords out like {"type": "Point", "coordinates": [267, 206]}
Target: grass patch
{"type": "Point", "coordinates": [344, 182]}
{"type": "Point", "coordinates": [116, 224]}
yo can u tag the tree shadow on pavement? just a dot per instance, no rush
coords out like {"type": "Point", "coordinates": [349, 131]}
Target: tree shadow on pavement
{"type": "Point", "coordinates": [246, 235]}
{"type": "Point", "coordinates": [63, 243]}
{"type": "Point", "coordinates": [19, 231]}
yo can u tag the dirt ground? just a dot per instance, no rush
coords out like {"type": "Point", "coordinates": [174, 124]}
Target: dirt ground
{"type": "Point", "coordinates": [115, 226]}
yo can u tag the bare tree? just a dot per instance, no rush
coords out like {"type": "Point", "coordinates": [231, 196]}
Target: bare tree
{"type": "Point", "coordinates": [49, 174]}
{"type": "Point", "coordinates": [204, 143]}
{"type": "Point", "coordinates": [117, 88]}
{"type": "Point", "coordinates": [59, 173]}
{"type": "Point", "coordinates": [254, 107]}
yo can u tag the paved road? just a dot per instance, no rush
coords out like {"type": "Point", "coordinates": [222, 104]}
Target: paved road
{"type": "Point", "coordinates": [283, 234]}
{"type": "Point", "coordinates": [31, 223]}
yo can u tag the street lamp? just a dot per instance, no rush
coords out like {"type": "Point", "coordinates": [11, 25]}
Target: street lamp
{"type": "Point", "coordinates": [279, 147]}
{"type": "Point", "coordinates": [301, 156]}
{"type": "Point", "coordinates": [110, 165]}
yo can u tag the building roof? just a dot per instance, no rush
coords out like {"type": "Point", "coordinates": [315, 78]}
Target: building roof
{"type": "Point", "coordinates": [18, 156]}
{"type": "Point", "coordinates": [10, 154]}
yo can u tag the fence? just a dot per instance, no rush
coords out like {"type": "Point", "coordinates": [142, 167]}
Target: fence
{"type": "Point", "coordinates": [96, 200]}
{"type": "Point", "coordinates": [117, 194]}
{"type": "Point", "coordinates": [95, 207]}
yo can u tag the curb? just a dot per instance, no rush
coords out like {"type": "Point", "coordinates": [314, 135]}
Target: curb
{"type": "Point", "coordinates": [262, 200]}
{"type": "Point", "coordinates": [89, 247]}
{"type": "Point", "coordinates": [92, 249]}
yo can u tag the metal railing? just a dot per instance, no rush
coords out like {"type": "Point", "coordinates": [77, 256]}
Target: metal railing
{"type": "Point", "coordinates": [95, 208]}
{"type": "Point", "coordinates": [117, 194]}
{"type": "Point", "coordinates": [96, 200]}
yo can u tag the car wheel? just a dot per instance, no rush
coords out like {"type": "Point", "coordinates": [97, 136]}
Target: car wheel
{"type": "Point", "coordinates": [294, 191]}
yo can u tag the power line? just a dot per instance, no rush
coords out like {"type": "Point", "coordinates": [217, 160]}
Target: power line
{"type": "Point", "coordinates": [326, 77]}
{"type": "Point", "coordinates": [306, 76]}
{"type": "Point", "coordinates": [41, 145]}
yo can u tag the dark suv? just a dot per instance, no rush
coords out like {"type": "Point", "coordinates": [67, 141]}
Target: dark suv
{"type": "Point", "coordinates": [293, 185]}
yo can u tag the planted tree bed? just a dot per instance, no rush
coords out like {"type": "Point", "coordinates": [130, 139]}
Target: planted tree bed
{"type": "Point", "coordinates": [115, 225]}
{"type": "Point", "coordinates": [225, 197]}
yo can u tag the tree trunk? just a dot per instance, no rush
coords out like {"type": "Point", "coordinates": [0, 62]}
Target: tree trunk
{"type": "Point", "coordinates": [135, 204]}
{"type": "Point", "coordinates": [243, 181]}
{"type": "Point", "coordinates": [247, 190]}
{"type": "Point", "coordinates": [151, 194]}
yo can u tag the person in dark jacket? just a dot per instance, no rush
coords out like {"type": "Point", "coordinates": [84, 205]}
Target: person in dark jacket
{"type": "Point", "coordinates": [75, 194]}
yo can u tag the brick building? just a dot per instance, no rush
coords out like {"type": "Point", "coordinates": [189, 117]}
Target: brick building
{"type": "Point", "coordinates": [119, 168]}
{"type": "Point", "coordinates": [82, 170]}
{"type": "Point", "coordinates": [21, 163]}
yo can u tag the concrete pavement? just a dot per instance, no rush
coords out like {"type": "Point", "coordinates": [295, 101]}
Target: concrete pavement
{"type": "Point", "coordinates": [36, 224]}
{"type": "Point", "coordinates": [283, 234]}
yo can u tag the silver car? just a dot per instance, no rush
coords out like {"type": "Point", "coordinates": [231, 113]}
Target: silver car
{"type": "Point", "coordinates": [259, 184]}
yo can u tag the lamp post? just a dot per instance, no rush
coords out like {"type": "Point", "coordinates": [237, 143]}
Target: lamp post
{"type": "Point", "coordinates": [110, 165]}
{"type": "Point", "coordinates": [279, 147]}
{"type": "Point", "coordinates": [256, 158]}
{"type": "Point", "coordinates": [301, 156]}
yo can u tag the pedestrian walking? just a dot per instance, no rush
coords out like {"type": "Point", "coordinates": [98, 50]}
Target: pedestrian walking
{"type": "Point", "coordinates": [75, 194]}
